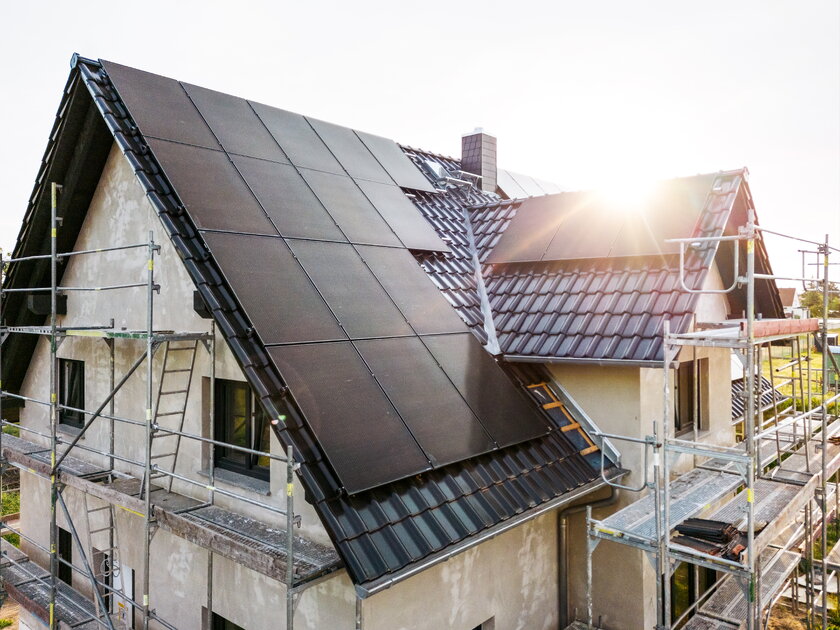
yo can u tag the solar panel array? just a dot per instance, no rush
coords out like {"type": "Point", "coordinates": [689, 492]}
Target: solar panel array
{"type": "Point", "coordinates": [578, 225]}
{"type": "Point", "coordinates": [307, 222]}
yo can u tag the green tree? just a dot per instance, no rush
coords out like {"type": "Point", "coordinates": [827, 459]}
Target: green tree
{"type": "Point", "coordinates": [812, 299]}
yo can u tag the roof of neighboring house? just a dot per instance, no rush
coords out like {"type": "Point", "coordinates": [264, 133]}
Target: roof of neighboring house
{"type": "Point", "coordinates": [518, 186]}
{"type": "Point", "coordinates": [401, 421]}
{"type": "Point", "coordinates": [537, 284]}
{"type": "Point", "coordinates": [788, 295]}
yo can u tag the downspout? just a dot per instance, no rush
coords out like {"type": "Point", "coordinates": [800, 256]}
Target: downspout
{"type": "Point", "coordinates": [563, 549]}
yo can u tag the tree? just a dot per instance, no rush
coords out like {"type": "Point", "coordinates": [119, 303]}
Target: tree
{"type": "Point", "coordinates": [812, 299]}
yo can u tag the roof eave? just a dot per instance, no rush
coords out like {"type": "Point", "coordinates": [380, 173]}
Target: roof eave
{"type": "Point", "coordinates": [367, 589]}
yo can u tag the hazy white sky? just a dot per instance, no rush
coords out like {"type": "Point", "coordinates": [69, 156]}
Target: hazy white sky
{"type": "Point", "coordinates": [582, 93]}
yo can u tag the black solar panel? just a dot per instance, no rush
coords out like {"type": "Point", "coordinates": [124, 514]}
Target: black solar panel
{"type": "Point", "coordinates": [363, 437]}
{"type": "Point", "coordinates": [434, 411]}
{"type": "Point", "coordinates": [297, 139]}
{"type": "Point", "coordinates": [353, 213]}
{"type": "Point", "coordinates": [529, 234]}
{"type": "Point", "coordinates": [411, 288]}
{"type": "Point", "coordinates": [355, 297]}
{"type": "Point", "coordinates": [211, 188]}
{"type": "Point", "coordinates": [403, 216]}
{"type": "Point", "coordinates": [235, 124]}
{"type": "Point", "coordinates": [353, 155]}
{"type": "Point", "coordinates": [401, 169]}
{"type": "Point", "coordinates": [503, 410]}
{"type": "Point", "coordinates": [287, 199]}
{"type": "Point", "coordinates": [159, 106]}
{"type": "Point", "coordinates": [274, 291]}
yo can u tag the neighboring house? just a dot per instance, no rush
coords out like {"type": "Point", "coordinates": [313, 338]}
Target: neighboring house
{"type": "Point", "coordinates": [290, 248]}
{"type": "Point", "coordinates": [435, 471]}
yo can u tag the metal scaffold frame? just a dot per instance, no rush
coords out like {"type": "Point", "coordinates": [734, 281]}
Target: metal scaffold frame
{"type": "Point", "coordinates": [55, 469]}
{"type": "Point", "coordinates": [746, 470]}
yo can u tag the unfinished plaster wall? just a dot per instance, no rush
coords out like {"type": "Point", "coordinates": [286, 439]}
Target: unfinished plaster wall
{"type": "Point", "coordinates": [623, 580]}
{"type": "Point", "coordinates": [179, 573]}
{"type": "Point", "coordinates": [511, 579]}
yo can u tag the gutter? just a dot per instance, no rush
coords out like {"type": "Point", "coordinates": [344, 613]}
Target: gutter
{"type": "Point", "coordinates": [363, 591]}
{"type": "Point", "coordinates": [521, 358]}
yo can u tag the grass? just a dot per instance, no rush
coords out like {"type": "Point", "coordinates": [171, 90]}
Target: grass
{"type": "Point", "coordinates": [13, 431]}
{"type": "Point", "coordinates": [14, 539]}
{"type": "Point", "coordinates": [11, 503]}
{"type": "Point", "coordinates": [784, 354]}
{"type": "Point", "coordinates": [5, 623]}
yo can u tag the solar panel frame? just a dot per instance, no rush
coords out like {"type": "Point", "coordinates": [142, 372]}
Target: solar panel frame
{"type": "Point", "coordinates": [287, 199]}
{"type": "Point", "coordinates": [402, 216]}
{"type": "Point", "coordinates": [159, 106]}
{"type": "Point", "coordinates": [299, 142]}
{"type": "Point", "coordinates": [350, 209]}
{"type": "Point", "coordinates": [211, 188]}
{"type": "Point", "coordinates": [502, 408]}
{"type": "Point", "coordinates": [414, 293]}
{"type": "Point", "coordinates": [360, 304]}
{"type": "Point", "coordinates": [350, 151]}
{"type": "Point", "coordinates": [274, 291]}
{"type": "Point", "coordinates": [235, 124]}
{"type": "Point", "coordinates": [398, 165]}
{"type": "Point", "coordinates": [363, 436]}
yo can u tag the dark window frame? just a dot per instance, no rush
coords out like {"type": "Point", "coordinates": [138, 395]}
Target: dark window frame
{"type": "Point", "coordinates": [72, 393]}
{"type": "Point", "coordinates": [690, 381]}
{"type": "Point", "coordinates": [256, 424]}
{"type": "Point", "coordinates": [217, 622]}
{"type": "Point", "coordinates": [65, 552]}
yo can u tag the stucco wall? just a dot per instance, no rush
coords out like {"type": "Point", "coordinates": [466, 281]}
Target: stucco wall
{"type": "Point", "coordinates": [511, 579]}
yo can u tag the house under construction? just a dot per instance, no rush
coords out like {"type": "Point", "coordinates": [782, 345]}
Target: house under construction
{"type": "Point", "coordinates": [260, 370]}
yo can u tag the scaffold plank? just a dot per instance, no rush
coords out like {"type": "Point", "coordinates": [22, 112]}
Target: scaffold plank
{"type": "Point", "coordinates": [701, 622]}
{"type": "Point", "coordinates": [234, 536]}
{"type": "Point", "coordinates": [729, 602]}
{"type": "Point", "coordinates": [690, 495]}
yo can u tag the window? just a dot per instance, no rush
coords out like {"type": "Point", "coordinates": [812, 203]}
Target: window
{"type": "Point", "coordinates": [240, 421]}
{"type": "Point", "coordinates": [71, 391]}
{"type": "Point", "coordinates": [690, 382]}
{"type": "Point", "coordinates": [65, 552]}
{"type": "Point", "coordinates": [220, 623]}
{"type": "Point", "coordinates": [688, 583]}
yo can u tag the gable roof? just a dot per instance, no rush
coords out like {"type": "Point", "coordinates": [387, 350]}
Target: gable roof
{"type": "Point", "coordinates": [538, 285]}
{"type": "Point", "coordinates": [383, 519]}
{"type": "Point", "coordinates": [788, 295]}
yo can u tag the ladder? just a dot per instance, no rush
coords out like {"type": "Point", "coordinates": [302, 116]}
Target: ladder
{"type": "Point", "coordinates": [171, 407]}
{"type": "Point", "coordinates": [101, 524]}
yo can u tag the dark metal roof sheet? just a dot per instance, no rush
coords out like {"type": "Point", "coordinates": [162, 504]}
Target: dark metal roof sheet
{"type": "Point", "coordinates": [377, 532]}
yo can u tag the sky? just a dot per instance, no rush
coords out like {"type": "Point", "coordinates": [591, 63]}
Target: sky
{"type": "Point", "coordinates": [605, 93]}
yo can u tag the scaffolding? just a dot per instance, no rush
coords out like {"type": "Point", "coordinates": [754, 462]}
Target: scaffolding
{"type": "Point", "coordinates": [775, 487]}
{"type": "Point", "coordinates": [273, 551]}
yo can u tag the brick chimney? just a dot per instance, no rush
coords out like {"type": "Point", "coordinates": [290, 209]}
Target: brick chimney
{"type": "Point", "coordinates": [478, 156]}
